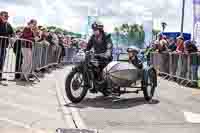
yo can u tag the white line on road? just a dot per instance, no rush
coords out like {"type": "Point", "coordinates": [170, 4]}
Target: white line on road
{"type": "Point", "coordinates": [67, 118]}
{"type": "Point", "coordinates": [75, 114]}
{"type": "Point", "coordinates": [192, 117]}
{"type": "Point", "coordinates": [15, 123]}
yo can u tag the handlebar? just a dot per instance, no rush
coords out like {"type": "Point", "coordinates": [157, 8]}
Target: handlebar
{"type": "Point", "coordinates": [102, 55]}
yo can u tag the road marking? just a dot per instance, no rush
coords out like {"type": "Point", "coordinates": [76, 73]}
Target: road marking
{"type": "Point", "coordinates": [15, 122]}
{"type": "Point", "coordinates": [67, 118]}
{"type": "Point", "coordinates": [192, 117]}
{"type": "Point", "coordinates": [22, 107]}
{"type": "Point", "coordinates": [74, 112]}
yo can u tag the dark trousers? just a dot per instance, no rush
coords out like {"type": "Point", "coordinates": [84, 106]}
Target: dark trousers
{"type": "Point", "coordinates": [2, 60]}
{"type": "Point", "coordinates": [62, 53]}
{"type": "Point", "coordinates": [19, 58]}
{"type": "Point", "coordinates": [103, 62]}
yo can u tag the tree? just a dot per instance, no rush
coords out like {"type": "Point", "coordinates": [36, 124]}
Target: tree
{"type": "Point", "coordinates": [59, 30]}
{"type": "Point", "coordinates": [51, 27]}
{"type": "Point", "coordinates": [164, 25]}
{"type": "Point", "coordinates": [131, 34]}
{"type": "Point", "coordinates": [19, 28]}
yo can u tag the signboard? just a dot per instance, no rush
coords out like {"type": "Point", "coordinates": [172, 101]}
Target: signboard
{"type": "Point", "coordinates": [196, 24]}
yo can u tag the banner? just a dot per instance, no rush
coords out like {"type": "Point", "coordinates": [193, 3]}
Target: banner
{"type": "Point", "coordinates": [148, 27]}
{"type": "Point", "coordinates": [196, 24]}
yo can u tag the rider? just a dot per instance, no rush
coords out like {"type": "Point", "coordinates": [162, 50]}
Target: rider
{"type": "Point", "coordinates": [132, 53]}
{"type": "Point", "coordinates": [102, 44]}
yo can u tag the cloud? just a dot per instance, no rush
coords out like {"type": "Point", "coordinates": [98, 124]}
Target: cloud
{"type": "Point", "coordinates": [67, 13]}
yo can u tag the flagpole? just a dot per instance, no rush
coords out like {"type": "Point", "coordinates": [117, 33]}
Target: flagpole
{"type": "Point", "coordinates": [182, 17]}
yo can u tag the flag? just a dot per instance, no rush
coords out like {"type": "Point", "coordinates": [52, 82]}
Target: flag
{"type": "Point", "coordinates": [196, 20]}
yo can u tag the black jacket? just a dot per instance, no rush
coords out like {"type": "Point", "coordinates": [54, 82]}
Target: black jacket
{"type": "Point", "coordinates": [136, 62]}
{"type": "Point", "coordinates": [6, 30]}
{"type": "Point", "coordinates": [105, 47]}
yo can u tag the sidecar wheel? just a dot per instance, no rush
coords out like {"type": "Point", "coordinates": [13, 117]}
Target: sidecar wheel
{"type": "Point", "coordinates": [71, 86]}
{"type": "Point", "coordinates": [149, 84]}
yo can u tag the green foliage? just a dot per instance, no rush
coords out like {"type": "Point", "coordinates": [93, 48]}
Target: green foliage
{"type": "Point", "coordinates": [131, 34]}
{"type": "Point", "coordinates": [63, 31]}
{"type": "Point", "coordinates": [18, 28]}
{"type": "Point", "coordinates": [134, 34]}
{"type": "Point", "coordinates": [57, 30]}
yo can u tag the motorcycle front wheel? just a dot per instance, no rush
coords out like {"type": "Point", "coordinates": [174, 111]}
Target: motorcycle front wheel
{"type": "Point", "coordinates": [75, 86]}
{"type": "Point", "coordinates": [149, 85]}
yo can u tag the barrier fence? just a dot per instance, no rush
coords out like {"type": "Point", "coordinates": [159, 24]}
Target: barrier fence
{"type": "Point", "coordinates": [177, 65]}
{"type": "Point", "coordinates": [24, 58]}
{"type": "Point", "coordinates": [21, 58]}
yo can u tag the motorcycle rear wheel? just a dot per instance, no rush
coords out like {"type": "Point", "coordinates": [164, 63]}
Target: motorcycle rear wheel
{"type": "Point", "coordinates": [69, 87]}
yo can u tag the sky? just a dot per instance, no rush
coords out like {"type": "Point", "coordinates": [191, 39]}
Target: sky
{"type": "Point", "coordinates": [72, 14]}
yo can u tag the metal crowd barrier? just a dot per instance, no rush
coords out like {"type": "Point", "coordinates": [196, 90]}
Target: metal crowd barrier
{"type": "Point", "coordinates": [176, 65]}
{"type": "Point", "coordinates": [20, 58]}
{"type": "Point", "coordinates": [45, 55]}
{"type": "Point", "coordinates": [70, 56]}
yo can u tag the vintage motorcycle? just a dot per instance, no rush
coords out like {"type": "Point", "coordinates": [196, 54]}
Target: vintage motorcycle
{"type": "Point", "coordinates": [116, 75]}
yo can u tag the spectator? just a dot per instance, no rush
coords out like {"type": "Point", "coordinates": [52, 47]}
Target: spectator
{"type": "Point", "coordinates": [28, 34]}
{"type": "Point", "coordinates": [52, 50]}
{"type": "Point", "coordinates": [18, 54]}
{"type": "Point", "coordinates": [44, 35]}
{"type": "Point", "coordinates": [18, 33]}
{"type": "Point", "coordinates": [162, 45]}
{"type": "Point", "coordinates": [159, 36]}
{"type": "Point", "coordinates": [61, 44]}
{"type": "Point", "coordinates": [6, 30]}
{"type": "Point", "coordinates": [44, 46]}
{"type": "Point", "coordinates": [37, 34]}
{"type": "Point", "coordinates": [180, 44]}
{"type": "Point", "coordinates": [155, 45]}
{"type": "Point", "coordinates": [190, 47]}
{"type": "Point", "coordinates": [172, 45]}
{"type": "Point", "coordinates": [55, 39]}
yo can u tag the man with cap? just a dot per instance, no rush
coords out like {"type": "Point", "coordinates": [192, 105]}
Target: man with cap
{"type": "Point", "coordinates": [102, 44]}
{"type": "Point", "coordinates": [132, 53]}
{"type": "Point", "coordinates": [6, 30]}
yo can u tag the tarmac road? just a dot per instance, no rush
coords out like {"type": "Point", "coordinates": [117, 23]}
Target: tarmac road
{"type": "Point", "coordinates": [45, 106]}
{"type": "Point", "coordinates": [174, 109]}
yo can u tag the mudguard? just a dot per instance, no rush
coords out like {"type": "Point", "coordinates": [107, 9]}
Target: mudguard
{"type": "Point", "coordinates": [80, 68]}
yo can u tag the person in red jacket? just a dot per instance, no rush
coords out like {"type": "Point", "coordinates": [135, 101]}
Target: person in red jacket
{"type": "Point", "coordinates": [28, 34]}
{"type": "Point", "coordinates": [180, 44]}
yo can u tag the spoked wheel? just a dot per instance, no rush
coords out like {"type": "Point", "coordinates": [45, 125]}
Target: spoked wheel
{"type": "Point", "coordinates": [75, 87]}
{"type": "Point", "coordinates": [149, 84]}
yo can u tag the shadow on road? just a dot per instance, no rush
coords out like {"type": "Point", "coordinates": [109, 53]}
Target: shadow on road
{"type": "Point", "coordinates": [112, 103]}
{"type": "Point", "coordinates": [25, 83]}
